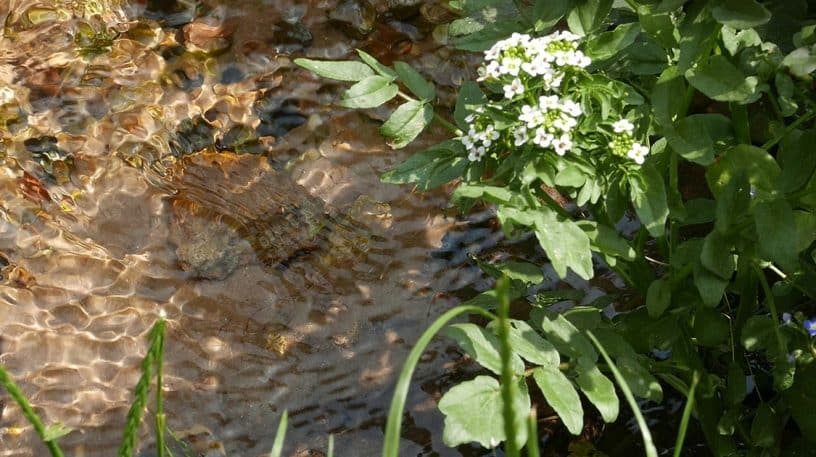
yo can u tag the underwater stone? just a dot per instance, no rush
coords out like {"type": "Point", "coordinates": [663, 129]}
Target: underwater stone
{"type": "Point", "coordinates": [357, 18]}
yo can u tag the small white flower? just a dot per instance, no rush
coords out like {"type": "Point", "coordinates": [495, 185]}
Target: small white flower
{"type": "Point", "coordinates": [477, 154]}
{"type": "Point", "coordinates": [520, 136]}
{"type": "Point", "coordinates": [562, 145]}
{"type": "Point", "coordinates": [548, 102]}
{"type": "Point", "coordinates": [510, 66]}
{"type": "Point", "coordinates": [571, 108]}
{"type": "Point", "coordinates": [623, 126]}
{"type": "Point", "coordinates": [638, 153]}
{"type": "Point", "coordinates": [513, 89]}
{"type": "Point", "coordinates": [543, 138]}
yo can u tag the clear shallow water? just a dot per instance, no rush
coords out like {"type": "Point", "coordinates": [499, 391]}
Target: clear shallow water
{"type": "Point", "coordinates": [105, 105]}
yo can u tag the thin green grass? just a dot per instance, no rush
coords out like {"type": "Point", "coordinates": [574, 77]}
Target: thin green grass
{"type": "Point", "coordinates": [684, 421]}
{"type": "Point", "coordinates": [42, 431]}
{"type": "Point", "coordinates": [280, 436]}
{"type": "Point", "coordinates": [394, 423]}
{"type": "Point", "coordinates": [648, 442]}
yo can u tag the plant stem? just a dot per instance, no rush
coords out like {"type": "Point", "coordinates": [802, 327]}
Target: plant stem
{"type": "Point", "coordinates": [792, 126]}
{"type": "Point", "coordinates": [441, 120]}
{"type": "Point", "coordinates": [508, 384]}
{"type": "Point", "coordinates": [739, 113]}
{"type": "Point", "coordinates": [772, 307]}
{"type": "Point", "coordinates": [160, 418]}
{"type": "Point", "coordinates": [17, 395]}
{"type": "Point", "coordinates": [681, 435]}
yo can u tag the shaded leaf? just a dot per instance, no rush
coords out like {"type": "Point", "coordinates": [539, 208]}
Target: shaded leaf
{"type": "Point", "coordinates": [481, 345]}
{"type": "Point", "coordinates": [371, 92]}
{"type": "Point", "coordinates": [561, 396]}
{"type": "Point", "coordinates": [588, 15]}
{"type": "Point", "coordinates": [415, 82]}
{"type": "Point", "coordinates": [658, 298]}
{"type": "Point", "coordinates": [720, 80]}
{"type": "Point", "coordinates": [600, 391]}
{"type": "Point", "coordinates": [776, 228]}
{"type": "Point", "coordinates": [649, 199]}
{"type": "Point", "coordinates": [407, 122]}
{"type": "Point", "coordinates": [566, 338]}
{"type": "Point", "coordinates": [740, 14]}
{"type": "Point", "coordinates": [608, 44]}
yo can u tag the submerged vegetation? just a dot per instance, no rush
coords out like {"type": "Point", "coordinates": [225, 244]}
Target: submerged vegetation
{"type": "Point", "coordinates": [693, 117]}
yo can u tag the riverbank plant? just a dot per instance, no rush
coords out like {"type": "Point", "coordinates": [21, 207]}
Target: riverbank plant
{"type": "Point", "coordinates": [694, 116]}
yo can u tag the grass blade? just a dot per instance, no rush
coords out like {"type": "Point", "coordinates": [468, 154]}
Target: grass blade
{"type": "Point", "coordinates": [648, 442]}
{"type": "Point", "coordinates": [330, 450]}
{"type": "Point", "coordinates": [161, 445]}
{"type": "Point", "coordinates": [532, 435]}
{"type": "Point", "coordinates": [17, 395]}
{"type": "Point", "coordinates": [684, 421]}
{"type": "Point", "coordinates": [280, 436]}
{"type": "Point", "coordinates": [392, 428]}
{"type": "Point", "coordinates": [142, 390]}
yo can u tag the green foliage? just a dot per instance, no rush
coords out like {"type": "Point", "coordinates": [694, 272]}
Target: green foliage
{"type": "Point", "coordinates": [719, 101]}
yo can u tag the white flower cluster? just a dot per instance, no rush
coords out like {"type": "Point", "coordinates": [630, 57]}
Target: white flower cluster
{"type": "Point", "coordinates": [623, 144]}
{"type": "Point", "coordinates": [522, 57]}
{"type": "Point", "coordinates": [550, 123]}
{"type": "Point", "coordinates": [480, 137]}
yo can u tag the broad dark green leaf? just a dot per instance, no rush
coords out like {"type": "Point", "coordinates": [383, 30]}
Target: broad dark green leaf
{"type": "Point", "coordinates": [801, 62]}
{"type": "Point", "coordinates": [736, 385]}
{"type": "Point", "coordinates": [493, 194]}
{"type": "Point", "coordinates": [735, 41]}
{"type": "Point", "coordinates": [764, 426]}
{"type": "Point", "coordinates": [600, 391]}
{"type": "Point", "coordinates": [696, 39]}
{"type": "Point", "coordinates": [608, 44]}
{"type": "Point", "coordinates": [341, 71]}
{"type": "Point", "coordinates": [710, 285]}
{"type": "Point", "coordinates": [757, 333]}
{"type": "Point", "coordinates": [645, 57]}
{"type": "Point", "coordinates": [415, 82]}
{"type": "Point", "coordinates": [785, 91]}
{"type": "Point", "coordinates": [473, 412]}
{"type": "Point", "coordinates": [801, 397]}
{"type": "Point", "coordinates": [420, 167]}
{"type": "Point", "coordinates": [733, 204]}
{"type": "Point", "coordinates": [659, 26]}
{"type": "Point", "coordinates": [571, 176]}
{"type": "Point", "coordinates": [376, 65]}
{"type": "Point", "coordinates": [371, 92]}
{"type": "Point", "coordinates": [561, 396]}
{"type": "Point", "coordinates": [469, 95]}
{"type": "Point", "coordinates": [710, 328]}
{"type": "Point", "coordinates": [566, 338]}
{"type": "Point", "coordinates": [482, 346]}
{"type": "Point", "coordinates": [527, 343]}
{"type": "Point", "coordinates": [640, 381]}
{"type": "Point", "coordinates": [721, 80]}
{"type": "Point", "coordinates": [607, 240]}
{"type": "Point", "coordinates": [805, 229]}
{"type": "Point", "coordinates": [588, 15]}
{"type": "Point", "coordinates": [407, 122]}
{"type": "Point", "coordinates": [658, 298]}
{"type": "Point", "coordinates": [776, 228]}
{"type": "Point", "coordinates": [740, 14]}
{"type": "Point", "coordinates": [583, 317]}
{"type": "Point", "coordinates": [667, 104]}
{"type": "Point", "coordinates": [755, 163]}
{"type": "Point", "coordinates": [649, 200]}
{"type": "Point", "coordinates": [716, 255]}
{"type": "Point", "coordinates": [547, 13]}
{"type": "Point", "coordinates": [696, 137]}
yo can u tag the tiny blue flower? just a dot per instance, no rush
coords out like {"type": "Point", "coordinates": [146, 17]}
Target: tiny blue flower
{"type": "Point", "coordinates": [786, 318]}
{"type": "Point", "coordinates": [810, 326]}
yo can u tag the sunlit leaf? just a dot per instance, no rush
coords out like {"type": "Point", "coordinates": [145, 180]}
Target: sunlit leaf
{"type": "Point", "coordinates": [341, 71]}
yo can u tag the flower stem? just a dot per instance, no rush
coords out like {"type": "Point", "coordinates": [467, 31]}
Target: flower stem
{"type": "Point", "coordinates": [792, 126]}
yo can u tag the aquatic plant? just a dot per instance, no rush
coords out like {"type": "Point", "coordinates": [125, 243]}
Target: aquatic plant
{"type": "Point", "coordinates": [693, 115]}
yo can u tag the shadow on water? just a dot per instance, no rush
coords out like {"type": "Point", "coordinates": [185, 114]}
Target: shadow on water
{"type": "Point", "coordinates": [167, 155]}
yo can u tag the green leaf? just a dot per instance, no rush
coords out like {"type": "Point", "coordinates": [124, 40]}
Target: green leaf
{"type": "Point", "coordinates": [56, 431]}
{"type": "Point", "coordinates": [659, 26]}
{"type": "Point", "coordinates": [755, 163]}
{"type": "Point", "coordinates": [422, 166]}
{"type": "Point", "coordinates": [733, 204]}
{"type": "Point", "coordinates": [561, 396]}
{"type": "Point", "coordinates": [588, 15]}
{"type": "Point", "coordinates": [764, 426]}
{"type": "Point", "coordinates": [801, 397]}
{"type": "Point", "coordinates": [666, 104]}
{"type": "Point", "coordinates": [473, 413]}
{"type": "Point", "coordinates": [785, 90]}
{"type": "Point", "coordinates": [608, 44]}
{"type": "Point", "coordinates": [469, 95]}
{"type": "Point", "coordinates": [658, 298]}
{"type": "Point", "coordinates": [565, 243]}
{"type": "Point", "coordinates": [481, 345]}
{"type": "Point", "coordinates": [734, 41]}
{"type": "Point", "coordinates": [584, 317]}
{"type": "Point", "coordinates": [757, 333]}
{"type": "Point", "coordinates": [548, 12]}
{"type": "Point", "coordinates": [566, 338]}
{"type": "Point", "coordinates": [406, 123]}
{"type": "Point", "coordinates": [649, 199]}
{"type": "Point", "coordinates": [527, 343]}
{"type": "Point", "coordinates": [710, 286]}
{"type": "Point", "coordinates": [415, 82]}
{"type": "Point", "coordinates": [696, 40]}
{"type": "Point", "coordinates": [527, 273]}
{"type": "Point", "coordinates": [371, 92]}
{"type": "Point", "coordinates": [600, 391]}
{"type": "Point", "coordinates": [716, 255]}
{"type": "Point", "coordinates": [570, 176]}
{"type": "Point", "coordinates": [645, 57]}
{"type": "Point", "coordinates": [341, 71]}
{"type": "Point", "coordinates": [696, 137]}
{"type": "Point", "coordinates": [493, 194]}
{"type": "Point", "coordinates": [720, 80]}
{"type": "Point", "coordinates": [741, 14]}
{"type": "Point", "coordinates": [375, 65]}
{"type": "Point", "coordinates": [710, 328]}
{"type": "Point", "coordinates": [801, 62]}
{"type": "Point", "coordinates": [640, 381]}
{"type": "Point", "coordinates": [607, 240]}
{"type": "Point", "coordinates": [736, 385]}
{"type": "Point", "coordinates": [776, 228]}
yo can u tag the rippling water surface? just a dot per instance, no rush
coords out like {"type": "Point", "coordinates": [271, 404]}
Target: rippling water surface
{"type": "Point", "coordinates": [167, 155]}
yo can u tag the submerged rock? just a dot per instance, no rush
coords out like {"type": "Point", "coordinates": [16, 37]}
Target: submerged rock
{"type": "Point", "coordinates": [358, 18]}
{"type": "Point", "coordinates": [231, 210]}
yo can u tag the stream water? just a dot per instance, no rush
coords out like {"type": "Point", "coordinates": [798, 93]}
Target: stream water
{"type": "Point", "coordinates": [168, 156]}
